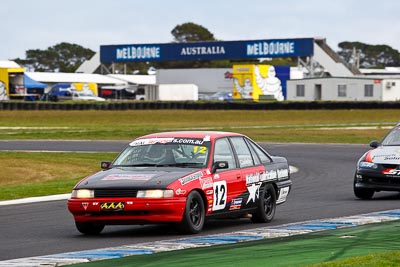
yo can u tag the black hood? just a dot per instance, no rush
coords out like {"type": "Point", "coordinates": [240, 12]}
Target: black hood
{"type": "Point", "coordinates": [134, 177]}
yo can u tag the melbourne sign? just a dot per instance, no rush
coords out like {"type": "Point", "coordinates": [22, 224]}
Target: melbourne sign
{"type": "Point", "coordinates": [207, 50]}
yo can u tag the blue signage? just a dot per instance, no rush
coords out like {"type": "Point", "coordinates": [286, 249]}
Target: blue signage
{"type": "Point", "coordinates": [207, 50]}
{"type": "Point", "coordinates": [283, 74]}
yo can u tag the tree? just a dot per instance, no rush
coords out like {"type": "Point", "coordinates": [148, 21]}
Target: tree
{"type": "Point", "coordinates": [373, 56]}
{"type": "Point", "coordinates": [191, 32]}
{"type": "Point", "coordinates": [63, 57]}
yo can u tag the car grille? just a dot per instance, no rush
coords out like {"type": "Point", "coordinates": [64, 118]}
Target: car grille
{"type": "Point", "coordinates": [390, 166]}
{"type": "Point", "coordinates": [385, 181]}
{"type": "Point", "coordinates": [115, 193]}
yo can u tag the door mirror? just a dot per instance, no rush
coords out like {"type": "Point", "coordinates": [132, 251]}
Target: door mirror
{"type": "Point", "coordinates": [374, 144]}
{"type": "Point", "coordinates": [219, 165]}
{"type": "Point", "coordinates": [105, 165]}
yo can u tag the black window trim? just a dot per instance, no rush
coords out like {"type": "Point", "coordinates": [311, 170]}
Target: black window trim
{"type": "Point", "coordinates": [232, 150]}
{"type": "Point", "coordinates": [235, 152]}
{"type": "Point", "coordinates": [262, 149]}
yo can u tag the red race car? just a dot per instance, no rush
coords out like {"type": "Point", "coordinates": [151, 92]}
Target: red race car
{"type": "Point", "coordinates": [182, 178]}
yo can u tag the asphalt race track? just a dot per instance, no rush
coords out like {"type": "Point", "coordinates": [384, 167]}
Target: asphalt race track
{"type": "Point", "coordinates": [322, 188]}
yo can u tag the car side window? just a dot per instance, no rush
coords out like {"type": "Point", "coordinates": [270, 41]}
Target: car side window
{"type": "Point", "coordinates": [243, 152]}
{"type": "Point", "coordinates": [261, 154]}
{"type": "Point", "coordinates": [223, 152]}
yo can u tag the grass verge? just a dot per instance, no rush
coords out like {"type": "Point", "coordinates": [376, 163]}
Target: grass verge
{"type": "Point", "coordinates": [338, 126]}
{"type": "Point", "coordinates": [26, 174]}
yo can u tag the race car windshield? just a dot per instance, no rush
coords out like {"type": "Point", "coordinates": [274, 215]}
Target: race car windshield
{"type": "Point", "coordinates": [164, 155]}
{"type": "Point", "coordinates": [393, 138]}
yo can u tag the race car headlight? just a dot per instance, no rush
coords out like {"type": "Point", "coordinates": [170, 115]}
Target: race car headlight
{"type": "Point", "coordinates": [82, 193]}
{"type": "Point", "coordinates": [368, 165]}
{"type": "Point", "coordinates": [156, 193]}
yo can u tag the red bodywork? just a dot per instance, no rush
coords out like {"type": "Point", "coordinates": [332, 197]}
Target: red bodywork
{"type": "Point", "coordinates": [135, 210]}
{"type": "Point", "coordinates": [223, 192]}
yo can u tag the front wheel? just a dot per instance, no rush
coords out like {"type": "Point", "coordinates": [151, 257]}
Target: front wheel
{"type": "Point", "coordinates": [194, 215]}
{"type": "Point", "coordinates": [89, 228]}
{"type": "Point", "coordinates": [363, 193]}
{"type": "Point", "coordinates": [266, 205]}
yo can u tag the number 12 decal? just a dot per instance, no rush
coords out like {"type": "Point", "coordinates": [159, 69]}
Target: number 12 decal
{"type": "Point", "coordinates": [220, 192]}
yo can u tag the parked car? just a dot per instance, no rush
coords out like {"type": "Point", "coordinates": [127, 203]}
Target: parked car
{"type": "Point", "coordinates": [87, 95]}
{"type": "Point", "coordinates": [222, 96]}
{"type": "Point", "coordinates": [379, 168]}
{"type": "Point", "coordinates": [182, 178]}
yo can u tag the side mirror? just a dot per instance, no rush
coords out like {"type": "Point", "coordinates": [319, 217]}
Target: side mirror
{"type": "Point", "coordinates": [219, 165]}
{"type": "Point", "coordinates": [374, 144]}
{"type": "Point", "coordinates": [105, 165]}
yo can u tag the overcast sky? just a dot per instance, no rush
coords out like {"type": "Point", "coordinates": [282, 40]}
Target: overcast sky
{"type": "Point", "coordinates": [39, 24]}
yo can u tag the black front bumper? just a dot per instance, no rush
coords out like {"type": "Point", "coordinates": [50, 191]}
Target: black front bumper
{"type": "Point", "coordinates": [376, 181]}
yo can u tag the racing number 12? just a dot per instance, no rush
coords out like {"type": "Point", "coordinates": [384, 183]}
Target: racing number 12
{"type": "Point", "coordinates": [220, 191]}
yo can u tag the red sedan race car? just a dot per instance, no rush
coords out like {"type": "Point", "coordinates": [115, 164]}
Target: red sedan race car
{"type": "Point", "coordinates": [182, 178]}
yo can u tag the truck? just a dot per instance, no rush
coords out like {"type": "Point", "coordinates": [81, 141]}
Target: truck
{"type": "Point", "coordinates": [172, 92]}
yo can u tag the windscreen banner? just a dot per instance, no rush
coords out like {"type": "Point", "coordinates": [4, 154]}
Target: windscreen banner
{"type": "Point", "coordinates": [207, 50]}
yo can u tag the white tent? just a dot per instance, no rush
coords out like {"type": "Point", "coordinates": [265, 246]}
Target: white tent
{"type": "Point", "coordinates": [60, 77]}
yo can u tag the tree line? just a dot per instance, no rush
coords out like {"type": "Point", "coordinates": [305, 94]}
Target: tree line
{"type": "Point", "coordinates": [67, 57]}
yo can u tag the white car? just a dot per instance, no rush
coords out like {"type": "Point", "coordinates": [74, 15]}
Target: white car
{"type": "Point", "coordinates": [86, 95]}
{"type": "Point", "coordinates": [379, 168]}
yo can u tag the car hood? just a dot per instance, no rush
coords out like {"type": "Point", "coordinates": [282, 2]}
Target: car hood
{"type": "Point", "coordinates": [135, 177]}
{"type": "Point", "coordinates": [385, 155]}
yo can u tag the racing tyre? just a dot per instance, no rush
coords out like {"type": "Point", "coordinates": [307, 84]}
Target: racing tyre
{"type": "Point", "coordinates": [194, 215]}
{"type": "Point", "coordinates": [89, 228]}
{"type": "Point", "coordinates": [266, 205]}
{"type": "Point", "coordinates": [363, 193]}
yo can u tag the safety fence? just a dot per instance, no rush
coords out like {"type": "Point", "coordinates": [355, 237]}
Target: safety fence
{"type": "Point", "coordinates": [200, 105]}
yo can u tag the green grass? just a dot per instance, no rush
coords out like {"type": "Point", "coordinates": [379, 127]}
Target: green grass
{"type": "Point", "coordinates": [60, 186]}
{"type": "Point", "coordinates": [262, 125]}
{"type": "Point", "coordinates": [27, 174]}
{"type": "Point", "coordinates": [387, 259]}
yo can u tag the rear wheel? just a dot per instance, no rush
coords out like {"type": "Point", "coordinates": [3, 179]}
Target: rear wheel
{"type": "Point", "coordinates": [266, 205]}
{"type": "Point", "coordinates": [194, 215]}
{"type": "Point", "coordinates": [89, 228]}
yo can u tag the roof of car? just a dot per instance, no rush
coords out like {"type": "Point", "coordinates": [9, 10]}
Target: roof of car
{"type": "Point", "coordinates": [191, 134]}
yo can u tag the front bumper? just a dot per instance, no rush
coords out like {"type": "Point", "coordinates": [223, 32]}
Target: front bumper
{"type": "Point", "coordinates": [376, 180]}
{"type": "Point", "coordinates": [134, 211]}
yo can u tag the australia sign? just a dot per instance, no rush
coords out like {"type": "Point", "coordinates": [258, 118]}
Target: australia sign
{"type": "Point", "coordinates": [207, 50]}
